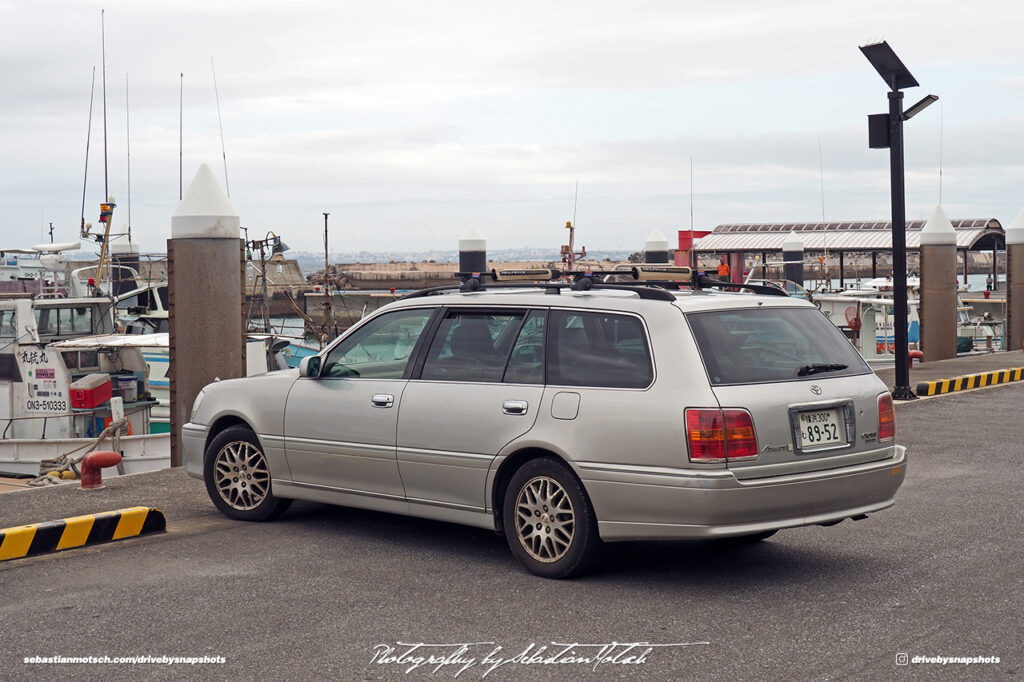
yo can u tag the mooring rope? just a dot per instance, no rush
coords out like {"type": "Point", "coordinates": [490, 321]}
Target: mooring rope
{"type": "Point", "coordinates": [69, 461]}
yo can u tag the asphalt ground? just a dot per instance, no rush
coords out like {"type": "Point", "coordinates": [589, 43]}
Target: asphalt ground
{"type": "Point", "coordinates": [317, 593]}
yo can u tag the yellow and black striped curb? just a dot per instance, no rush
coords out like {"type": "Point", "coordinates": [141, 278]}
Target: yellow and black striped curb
{"type": "Point", "coordinates": [91, 529]}
{"type": "Point", "coordinates": [1002, 376]}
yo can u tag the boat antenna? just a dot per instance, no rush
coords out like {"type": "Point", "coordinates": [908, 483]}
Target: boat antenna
{"type": "Point", "coordinates": [88, 136]}
{"type": "Point", "coordinates": [691, 197]}
{"type": "Point", "coordinates": [824, 225]}
{"type": "Point", "coordinates": [940, 153]}
{"type": "Point", "coordinates": [821, 175]}
{"type": "Point", "coordinates": [181, 114]}
{"type": "Point", "coordinates": [328, 313]}
{"type": "Point", "coordinates": [575, 197]}
{"type": "Point", "coordinates": [51, 232]}
{"type": "Point", "coordinates": [220, 123]}
{"type": "Point", "coordinates": [103, 47]}
{"type": "Point", "coordinates": [107, 207]}
{"type": "Point", "coordinates": [128, 135]}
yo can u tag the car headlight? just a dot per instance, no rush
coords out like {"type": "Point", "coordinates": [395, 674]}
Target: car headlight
{"type": "Point", "coordinates": [195, 405]}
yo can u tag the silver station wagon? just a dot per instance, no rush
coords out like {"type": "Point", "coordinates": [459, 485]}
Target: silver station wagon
{"type": "Point", "coordinates": [563, 415]}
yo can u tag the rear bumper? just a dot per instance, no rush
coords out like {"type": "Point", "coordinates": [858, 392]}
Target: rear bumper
{"type": "Point", "coordinates": [638, 504]}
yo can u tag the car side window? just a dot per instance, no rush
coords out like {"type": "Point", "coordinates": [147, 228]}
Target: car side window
{"type": "Point", "coordinates": [526, 364]}
{"type": "Point", "coordinates": [598, 349]}
{"type": "Point", "coordinates": [380, 349]}
{"type": "Point", "coordinates": [471, 346]}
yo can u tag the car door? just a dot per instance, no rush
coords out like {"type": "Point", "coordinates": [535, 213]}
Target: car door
{"type": "Point", "coordinates": [340, 426]}
{"type": "Point", "coordinates": [479, 387]}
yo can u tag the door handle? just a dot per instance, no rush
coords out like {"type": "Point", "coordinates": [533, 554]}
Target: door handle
{"type": "Point", "coordinates": [382, 400]}
{"type": "Point", "coordinates": [515, 407]}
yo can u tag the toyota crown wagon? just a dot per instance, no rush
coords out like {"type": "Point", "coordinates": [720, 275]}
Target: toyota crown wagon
{"type": "Point", "coordinates": [563, 419]}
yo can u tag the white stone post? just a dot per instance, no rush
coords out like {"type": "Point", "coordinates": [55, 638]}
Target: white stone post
{"type": "Point", "coordinates": [204, 270]}
{"type": "Point", "coordinates": [937, 305]}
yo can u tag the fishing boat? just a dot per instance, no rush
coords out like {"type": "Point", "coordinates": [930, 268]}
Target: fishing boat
{"type": "Point", "coordinates": [38, 271]}
{"type": "Point", "coordinates": [46, 346]}
{"type": "Point", "coordinates": [871, 305]}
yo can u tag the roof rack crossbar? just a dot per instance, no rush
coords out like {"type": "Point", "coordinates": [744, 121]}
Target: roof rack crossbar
{"type": "Point", "coordinates": [653, 293]}
{"type": "Point", "coordinates": [704, 282]}
{"type": "Point", "coordinates": [658, 290]}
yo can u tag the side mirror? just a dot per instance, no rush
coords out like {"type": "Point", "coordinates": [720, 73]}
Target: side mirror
{"type": "Point", "coordinates": [310, 366]}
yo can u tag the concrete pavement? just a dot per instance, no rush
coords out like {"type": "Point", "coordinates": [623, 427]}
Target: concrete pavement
{"type": "Point", "coordinates": [941, 370]}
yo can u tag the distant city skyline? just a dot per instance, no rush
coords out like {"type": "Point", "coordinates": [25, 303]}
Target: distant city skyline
{"type": "Point", "coordinates": [412, 122]}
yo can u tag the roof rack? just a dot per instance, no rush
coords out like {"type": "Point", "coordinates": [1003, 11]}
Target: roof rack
{"type": "Point", "coordinates": [650, 281]}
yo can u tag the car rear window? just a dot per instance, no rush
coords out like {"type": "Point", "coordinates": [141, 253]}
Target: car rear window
{"type": "Point", "coordinates": [752, 346]}
{"type": "Point", "coordinates": [598, 349]}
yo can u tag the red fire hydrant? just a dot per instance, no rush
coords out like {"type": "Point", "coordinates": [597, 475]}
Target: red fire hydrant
{"type": "Point", "coordinates": [92, 466]}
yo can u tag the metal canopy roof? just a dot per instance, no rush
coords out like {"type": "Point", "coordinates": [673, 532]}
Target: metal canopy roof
{"type": "Point", "coordinates": [971, 234]}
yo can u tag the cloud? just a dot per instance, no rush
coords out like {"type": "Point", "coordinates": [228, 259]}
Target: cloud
{"type": "Point", "coordinates": [410, 121]}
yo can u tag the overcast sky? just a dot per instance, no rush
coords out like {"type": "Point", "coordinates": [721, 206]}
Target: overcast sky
{"type": "Point", "coordinates": [412, 121]}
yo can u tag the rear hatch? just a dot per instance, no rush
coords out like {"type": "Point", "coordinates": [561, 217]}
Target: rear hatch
{"type": "Point", "coordinates": [813, 401]}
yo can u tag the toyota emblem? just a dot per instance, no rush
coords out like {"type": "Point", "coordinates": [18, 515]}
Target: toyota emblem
{"type": "Point", "coordinates": [815, 389]}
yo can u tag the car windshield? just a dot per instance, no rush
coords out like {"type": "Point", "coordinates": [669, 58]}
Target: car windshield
{"type": "Point", "coordinates": [775, 344]}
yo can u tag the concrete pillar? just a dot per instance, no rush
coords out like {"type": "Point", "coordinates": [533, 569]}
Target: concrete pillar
{"type": "Point", "coordinates": [472, 252]}
{"type": "Point", "coordinates": [204, 270]}
{"type": "Point", "coordinates": [793, 250]}
{"type": "Point", "coordinates": [938, 288]}
{"type": "Point", "coordinates": [1013, 326]}
{"type": "Point", "coordinates": [656, 248]}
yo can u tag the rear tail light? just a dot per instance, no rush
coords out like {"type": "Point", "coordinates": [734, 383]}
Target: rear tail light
{"type": "Point", "coordinates": [740, 442]}
{"type": "Point", "coordinates": [717, 435]}
{"type": "Point", "coordinates": [886, 419]}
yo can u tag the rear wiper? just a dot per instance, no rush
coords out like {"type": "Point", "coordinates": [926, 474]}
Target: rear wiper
{"type": "Point", "coordinates": [814, 369]}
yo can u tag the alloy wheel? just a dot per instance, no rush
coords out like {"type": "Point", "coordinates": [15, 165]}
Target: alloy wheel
{"type": "Point", "coordinates": [241, 476]}
{"type": "Point", "coordinates": [545, 521]}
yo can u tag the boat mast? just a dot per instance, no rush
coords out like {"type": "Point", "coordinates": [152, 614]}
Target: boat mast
{"type": "Point", "coordinates": [569, 254]}
{"type": "Point", "coordinates": [220, 123]}
{"type": "Point", "coordinates": [328, 313]}
{"type": "Point", "coordinates": [103, 44]}
{"type": "Point", "coordinates": [107, 208]}
{"type": "Point", "coordinates": [88, 135]}
{"type": "Point", "coordinates": [181, 114]}
{"type": "Point", "coordinates": [128, 135]}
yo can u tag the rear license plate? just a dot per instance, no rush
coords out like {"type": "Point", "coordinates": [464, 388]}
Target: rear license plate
{"type": "Point", "coordinates": [820, 427]}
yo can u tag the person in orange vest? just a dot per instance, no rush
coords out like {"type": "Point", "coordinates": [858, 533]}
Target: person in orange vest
{"type": "Point", "coordinates": [723, 270]}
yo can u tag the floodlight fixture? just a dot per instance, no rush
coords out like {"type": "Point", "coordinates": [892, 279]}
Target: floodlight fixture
{"type": "Point", "coordinates": [889, 66]}
{"type": "Point", "coordinates": [916, 109]}
{"type": "Point", "coordinates": [886, 131]}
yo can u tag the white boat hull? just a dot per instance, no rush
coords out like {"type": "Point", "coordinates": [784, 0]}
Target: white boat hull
{"type": "Point", "coordinates": [22, 456]}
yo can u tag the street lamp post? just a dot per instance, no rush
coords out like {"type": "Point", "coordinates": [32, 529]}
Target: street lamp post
{"type": "Point", "coordinates": [886, 130]}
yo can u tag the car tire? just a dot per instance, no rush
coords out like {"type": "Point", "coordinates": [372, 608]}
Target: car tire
{"type": "Point", "coordinates": [237, 476]}
{"type": "Point", "coordinates": [549, 522]}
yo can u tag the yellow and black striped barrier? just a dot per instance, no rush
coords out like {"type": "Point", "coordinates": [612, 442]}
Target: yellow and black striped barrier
{"type": "Point", "coordinates": [78, 531]}
{"type": "Point", "coordinates": [964, 383]}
